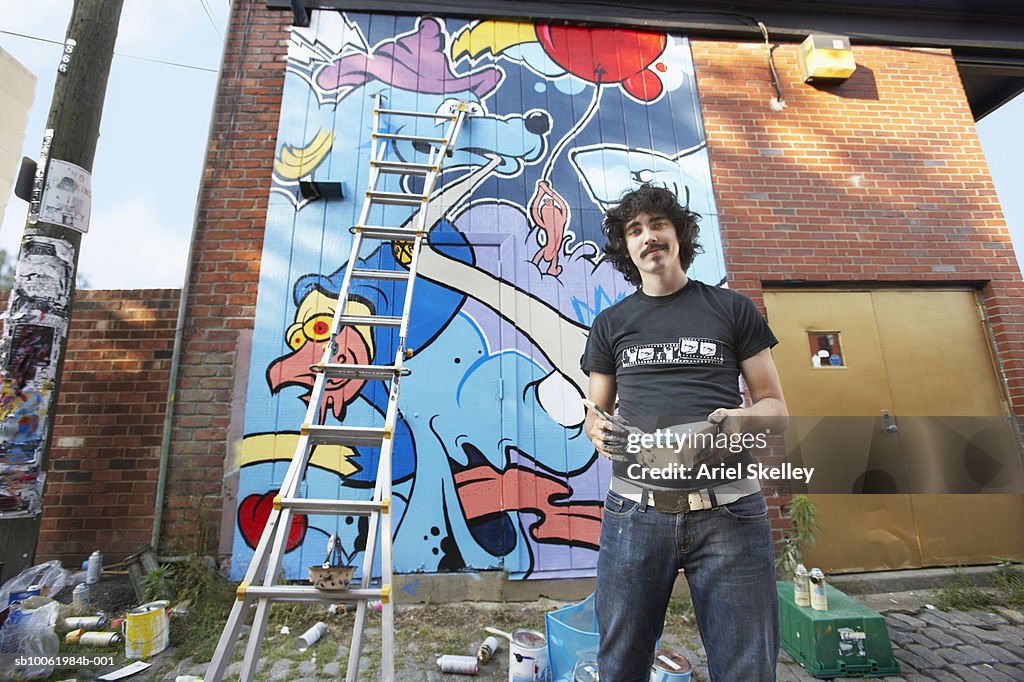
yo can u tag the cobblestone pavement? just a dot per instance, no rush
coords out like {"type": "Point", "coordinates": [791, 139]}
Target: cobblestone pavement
{"type": "Point", "coordinates": [928, 643]}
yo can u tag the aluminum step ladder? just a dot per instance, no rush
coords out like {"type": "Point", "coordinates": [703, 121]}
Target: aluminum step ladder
{"type": "Point", "coordinates": [260, 586]}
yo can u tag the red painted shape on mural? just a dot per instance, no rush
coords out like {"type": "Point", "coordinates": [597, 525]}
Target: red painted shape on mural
{"type": "Point", "coordinates": [484, 490]}
{"type": "Point", "coordinates": [253, 514]}
{"type": "Point", "coordinates": [607, 55]}
{"type": "Point", "coordinates": [550, 213]}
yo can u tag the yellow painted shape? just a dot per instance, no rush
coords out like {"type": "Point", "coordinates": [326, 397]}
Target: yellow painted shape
{"type": "Point", "coordinates": [492, 36]}
{"type": "Point", "coordinates": [294, 162]}
{"type": "Point", "coordinates": [280, 447]}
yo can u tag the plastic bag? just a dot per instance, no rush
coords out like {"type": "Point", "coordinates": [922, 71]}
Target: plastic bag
{"type": "Point", "coordinates": [49, 575]}
{"type": "Point", "coordinates": [29, 632]}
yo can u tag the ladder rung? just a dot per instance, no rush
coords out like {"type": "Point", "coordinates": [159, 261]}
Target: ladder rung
{"type": "Point", "coordinates": [355, 507]}
{"type": "Point", "coordinates": [411, 138]}
{"type": "Point", "coordinates": [370, 372]}
{"type": "Point", "coordinates": [303, 593]}
{"type": "Point", "coordinates": [419, 114]}
{"type": "Point", "coordinates": [371, 320]}
{"type": "Point", "coordinates": [380, 274]}
{"type": "Point", "coordinates": [388, 233]}
{"type": "Point", "coordinates": [355, 436]}
{"type": "Point", "coordinates": [396, 198]}
{"type": "Point", "coordinates": [404, 167]}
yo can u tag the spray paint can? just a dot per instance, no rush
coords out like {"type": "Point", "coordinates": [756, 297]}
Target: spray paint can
{"type": "Point", "coordinates": [87, 622]}
{"type": "Point", "coordinates": [100, 639]}
{"type": "Point", "coordinates": [487, 649]}
{"type": "Point", "coordinates": [311, 636]}
{"type": "Point", "coordinates": [95, 567]}
{"type": "Point", "coordinates": [819, 601]}
{"type": "Point", "coordinates": [80, 595]}
{"type": "Point", "coordinates": [801, 586]}
{"type": "Point", "coordinates": [463, 665]}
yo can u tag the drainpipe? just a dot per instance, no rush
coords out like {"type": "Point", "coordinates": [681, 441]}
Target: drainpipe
{"type": "Point", "coordinates": [179, 330]}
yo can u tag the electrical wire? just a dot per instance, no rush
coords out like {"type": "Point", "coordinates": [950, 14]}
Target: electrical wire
{"type": "Point", "coordinates": [777, 103]}
{"type": "Point", "coordinates": [116, 54]}
{"type": "Point", "coordinates": [209, 15]}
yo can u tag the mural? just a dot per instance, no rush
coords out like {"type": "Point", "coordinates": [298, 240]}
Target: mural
{"type": "Point", "coordinates": [491, 468]}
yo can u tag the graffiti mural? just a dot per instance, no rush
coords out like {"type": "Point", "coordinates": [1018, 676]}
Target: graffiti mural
{"type": "Point", "coordinates": [491, 468]}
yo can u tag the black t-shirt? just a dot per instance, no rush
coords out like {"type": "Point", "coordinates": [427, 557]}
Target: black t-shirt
{"type": "Point", "coordinates": [676, 358]}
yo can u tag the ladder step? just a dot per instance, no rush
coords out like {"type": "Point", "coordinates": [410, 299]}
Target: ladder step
{"type": "Point", "coordinates": [354, 507]}
{"type": "Point", "coordinates": [364, 273]}
{"type": "Point", "coordinates": [419, 114]}
{"type": "Point", "coordinates": [369, 372]}
{"type": "Point", "coordinates": [397, 198]}
{"type": "Point", "coordinates": [388, 233]}
{"type": "Point", "coordinates": [303, 593]}
{"type": "Point", "coordinates": [370, 320]}
{"type": "Point", "coordinates": [354, 436]}
{"type": "Point", "coordinates": [404, 167]}
{"type": "Point", "coordinates": [411, 138]}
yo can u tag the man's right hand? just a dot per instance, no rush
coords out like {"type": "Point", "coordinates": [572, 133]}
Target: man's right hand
{"type": "Point", "coordinates": [611, 436]}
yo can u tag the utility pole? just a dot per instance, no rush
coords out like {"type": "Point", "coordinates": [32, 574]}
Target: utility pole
{"type": "Point", "coordinates": [39, 309]}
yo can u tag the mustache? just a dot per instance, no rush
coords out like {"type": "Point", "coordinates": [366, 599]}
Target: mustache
{"type": "Point", "coordinates": [652, 247]}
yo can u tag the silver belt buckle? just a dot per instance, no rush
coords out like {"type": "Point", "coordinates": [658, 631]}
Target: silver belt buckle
{"type": "Point", "coordinates": [670, 502]}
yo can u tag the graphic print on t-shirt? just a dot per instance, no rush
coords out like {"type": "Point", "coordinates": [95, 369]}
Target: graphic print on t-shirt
{"type": "Point", "coordinates": [687, 351]}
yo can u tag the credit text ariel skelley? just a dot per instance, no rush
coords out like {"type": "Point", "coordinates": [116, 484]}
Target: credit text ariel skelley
{"type": "Point", "coordinates": [720, 471]}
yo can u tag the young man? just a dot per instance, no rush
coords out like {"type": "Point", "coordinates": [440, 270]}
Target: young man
{"type": "Point", "coordinates": [672, 353]}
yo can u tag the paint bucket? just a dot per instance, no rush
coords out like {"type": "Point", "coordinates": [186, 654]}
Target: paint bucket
{"type": "Point", "coordinates": [146, 630]}
{"type": "Point", "coordinates": [528, 657]}
{"type": "Point", "coordinates": [670, 666]}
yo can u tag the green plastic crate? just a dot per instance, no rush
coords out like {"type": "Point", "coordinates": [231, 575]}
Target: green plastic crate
{"type": "Point", "coordinates": [848, 640]}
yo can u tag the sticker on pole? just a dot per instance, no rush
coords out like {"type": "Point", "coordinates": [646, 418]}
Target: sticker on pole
{"type": "Point", "coordinates": [67, 198]}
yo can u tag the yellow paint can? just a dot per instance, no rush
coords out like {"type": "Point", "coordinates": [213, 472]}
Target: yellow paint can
{"type": "Point", "coordinates": [146, 630]}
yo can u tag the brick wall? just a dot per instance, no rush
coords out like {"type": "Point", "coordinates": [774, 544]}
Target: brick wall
{"type": "Point", "coordinates": [102, 473]}
{"type": "Point", "coordinates": [881, 179]}
{"type": "Point", "coordinates": [225, 269]}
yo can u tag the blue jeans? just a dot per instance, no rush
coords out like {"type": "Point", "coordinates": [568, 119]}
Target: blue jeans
{"type": "Point", "coordinates": [727, 554]}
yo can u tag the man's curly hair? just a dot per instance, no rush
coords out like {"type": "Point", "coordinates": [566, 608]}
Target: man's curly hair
{"type": "Point", "coordinates": [653, 200]}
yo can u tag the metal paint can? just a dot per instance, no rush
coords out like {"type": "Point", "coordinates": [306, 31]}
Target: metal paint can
{"type": "Point", "coordinates": [462, 665]}
{"type": "Point", "coordinates": [311, 636]}
{"type": "Point", "coordinates": [819, 600]}
{"type": "Point", "coordinates": [80, 595]}
{"type": "Point", "coordinates": [94, 568]}
{"type": "Point", "coordinates": [801, 586]}
{"type": "Point", "coordinates": [528, 657]}
{"type": "Point", "coordinates": [670, 666]}
{"type": "Point", "coordinates": [146, 630]}
{"type": "Point", "coordinates": [100, 639]}
{"type": "Point", "coordinates": [487, 649]}
{"type": "Point", "coordinates": [86, 622]}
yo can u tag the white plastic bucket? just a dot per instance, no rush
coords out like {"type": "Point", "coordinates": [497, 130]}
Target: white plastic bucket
{"type": "Point", "coordinates": [528, 657]}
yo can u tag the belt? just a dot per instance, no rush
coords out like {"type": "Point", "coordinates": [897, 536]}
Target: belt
{"type": "Point", "coordinates": [676, 501]}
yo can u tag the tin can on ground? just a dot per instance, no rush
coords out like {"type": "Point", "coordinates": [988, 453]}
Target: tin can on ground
{"type": "Point", "coordinates": [462, 665]}
{"type": "Point", "coordinates": [87, 622]}
{"type": "Point", "coordinates": [311, 636]}
{"type": "Point", "coordinates": [94, 568]}
{"type": "Point", "coordinates": [670, 666]}
{"type": "Point", "coordinates": [801, 586]}
{"type": "Point", "coordinates": [100, 639]}
{"type": "Point", "coordinates": [528, 657]}
{"type": "Point", "coordinates": [80, 595]}
{"type": "Point", "coordinates": [487, 649]}
{"type": "Point", "coordinates": [819, 601]}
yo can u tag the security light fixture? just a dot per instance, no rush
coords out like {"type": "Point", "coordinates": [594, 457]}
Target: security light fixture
{"type": "Point", "coordinates": [826, 59]}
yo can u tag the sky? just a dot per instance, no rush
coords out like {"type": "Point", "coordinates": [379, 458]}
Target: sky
{"type": "Point", "coordinates": [155, 127]}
